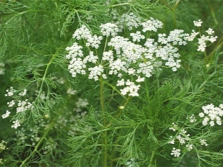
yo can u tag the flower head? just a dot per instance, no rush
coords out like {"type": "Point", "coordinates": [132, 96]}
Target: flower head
{"type": "Point", "coordinates": [197, 23]}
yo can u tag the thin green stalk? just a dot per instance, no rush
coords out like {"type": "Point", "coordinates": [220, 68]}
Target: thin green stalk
{"type": "Point", "coordinates": [45, 73]}
{"type": "Point", "coordinates": [79, 19]}
{"type": "Point", "coordinates": [212, 13]}
{"type": "Point", "coordinates": [151, 159]}
{"type": "Point", "coordinates": [102, 103]}
{"type": "Point", "coordinates": [114, 88]}
{"type": "Point", "coordinates": [125, 104]}
{"type": "Point", "coordinates": [176, 4]}
{"type": "Point", "coordinates": [120, 4]}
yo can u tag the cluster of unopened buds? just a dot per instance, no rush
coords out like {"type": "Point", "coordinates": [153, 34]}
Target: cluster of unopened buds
{"type": "Point", "coordinates": [134, 58]}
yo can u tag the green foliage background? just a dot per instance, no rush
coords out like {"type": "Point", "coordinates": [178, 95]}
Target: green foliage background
{"type": "Point", "coordinates": [33, 38]}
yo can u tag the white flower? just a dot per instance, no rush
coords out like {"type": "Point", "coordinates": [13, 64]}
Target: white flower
{"type": "Point", "coordinates": [172, 141]}
{"type": "Point", "coordinates": [151, 25]}
{"type": "Point", "coordinates": [82, 33]}
{"type": "Point", "coordinates": [94, 41]}
{"type": "Point", "coordinates": [6, 114]}
{"type": "Point", "coordinates": [210, 31]}
{"type": "Point", "coordinates": [131, 89]}
{"type": "Point", "coordinates": [23, 93]}
{"type": "Point", "coordinates": [136, 37]}
{"type": "Point", "coordinates": [71, 91]}
{"type": "Point", "coordinates": [145, 69]}
{"type": "Point", "coordinates": [211, 123]}
{"type": "Point", "coordinates": [116, 66]}
{"type": "Point", "coordinates": [177, 37]}
{"type": "Point", "coordinates": [10, 91]}
{"type": "Point", "coordinates": [81, 103]}
{"type": "Point", "coordinates": [192, 35]}
{"type": "Point", "coordinates": [109, 29]}
{"type": "Point", "coordinates": [90, 58]}
{"type": "Point", "coordinates": [202, 43]}
{"type": "Point", "coordinates": [23, 106]}
{"type": "Point", "coordinates": [201, 115]}
{"type": "Point", "coordinates": [189, 147]}
{"type": "Point", "coordinates": [162, 39]}
{"type": "Point", "coordinates": [108, 56]}
{"type": "Point", "coordinates": [95, 72]}
{"type": "Point", "coordinates": [76, 66]}
{"type": "Point", "coordinates": [16, 124]}
{"type": "Point", "coordinates": [174, 127]}
{"type": "Point", "coordinates": [181, 139]}
{"type": "Point", "coordinates": [74, 51]}
{"type": "Point", "coordinates": [192, 118]}
{"type": "Point", "coordinates": [11, 103]}
{"type": "Point", "coordinates": [197, 23]}
{"type": "Point", "coordinates": [175, 152]}
{"type": "Point", "coordinates": [212, 39]}
{"type": "Point", "coordinates": [203, 142]}
{"type": "Point", "coordinates": [129, 20]}
{"type": "Point", "coordinates": [120, 82]}
{"type": "Point", "coordinates": [131, 71]}
{"type": "Point", "coordinates": [211, 114]}
{"type": "Point", "coordinates": [139, 79]}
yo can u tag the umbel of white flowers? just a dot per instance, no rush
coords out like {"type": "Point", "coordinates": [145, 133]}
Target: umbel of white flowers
{"type": "Point", "coordinates": [134, 58]}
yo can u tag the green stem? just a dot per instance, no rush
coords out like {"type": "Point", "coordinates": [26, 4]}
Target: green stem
{"type": "Point", "coordinates": [176, 4]}
{"type": "Point", "coordinates": [102, 103]}
{"type": "Point", "coordinates": [151, 159]}
{"type": "Point", "coordinates": [114, 88]}
{"type": "Point", "coordinates": [45, 73]}
{"type": "Point", "coordinates": [125, 104]}
{"type": "Point", "coordinates": [120, 4]}
{"type": "Point", "coordinates": [212, 13]}
{"type": "Point", "coordinates": [79, 19]}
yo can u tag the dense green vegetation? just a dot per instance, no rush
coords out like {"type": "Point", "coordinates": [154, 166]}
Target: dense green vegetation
{"type": "Point", "coordinates": [111, 83]}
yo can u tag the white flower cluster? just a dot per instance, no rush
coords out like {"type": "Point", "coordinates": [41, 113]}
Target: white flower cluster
{"type": "Point", "coordinates": [197, 23]}
{"type": "Point", "coordinates": [2, 68]}
{"type": "Point", "coordinates": [130, 88]}
{"type": "Point", "coordinates": [183, 138]}
{"type": "Point", "coordinates": [109, 29]}
{"type": "Point", "coordinates": [202, 41]}
{"type": "Point", "coordinates": [23, 106]}
{"type": "Point", "coordinates": [16, 124]}
{"type": "Point", "coordinates": [6, 115]}
{"type": "Point", "coordinates": [71, 91]}
{"type": "Point", "coordinates": [81, 103]}
{"type": "Point", "coordinates": [20, 105]}
{"type": "Point", "coordinates": [3, 145]}
{"type": "Point", "coordinates": [151, 25]}
{"type": "Point", "coordinates": [131, 163]}
{"type": "Point", "coordinates": [192, 118]}
{"type": "Point", "coordinates": [10, 91]}
{"type": "Point", "coordinates": [136, 57]}
{"type": "Point", "coordinates": [84, 33]}
{"type": "Point", "coordinates": [175, 152]}
{"type": "Point", "coordinates": [211, 115]}
{"type": "Point", "coordinates": [128, 20]}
